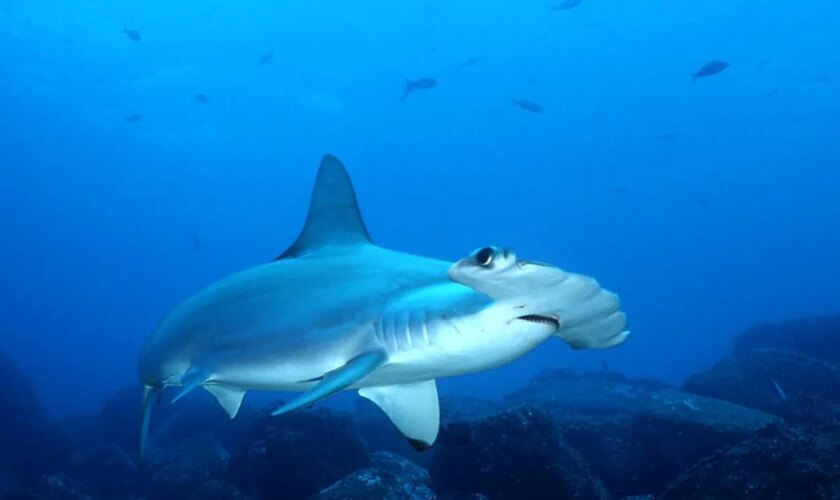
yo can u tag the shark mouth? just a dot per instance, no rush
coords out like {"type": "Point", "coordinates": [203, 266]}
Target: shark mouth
{"type": "Point", "coordinates": [545, 320]}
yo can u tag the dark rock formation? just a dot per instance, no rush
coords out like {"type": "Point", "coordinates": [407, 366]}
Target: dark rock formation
{"type": "Point", "coordinates": [818, 338]}
{"type": "Point", "coordinates": [107, 468]}
{"type": "Point", "coordinates": [518, 453]}
{"type": "Point", "coordinates": [61, 487]}
{"type": "Point", "coordinates": [794, 386]}
{"type": "Point", "coordinates": [196, 414]}
{"type": "Point", "coordinates": [637, 435]}
{"type": "Point", "coordinates": [11, 484]}
{"type": "Point", "coordinates": [389, 477]}
{"type": "Point", "coordinates": [297, 454]}
{"type": "Point", "coordinates": [30, 445]}
{"type": "Point", "coordinates": [776, 463]}
{"type": "Point", "coordinates": [175, 473]}
{"type": "Point", "coordinates": [120, 417]}
{"type": "Point", "coordinates": [460, 495]}
{"type": "Point", "coordinates": [380, 434]}
{"type": "Point", "coordinates": [172, 423]}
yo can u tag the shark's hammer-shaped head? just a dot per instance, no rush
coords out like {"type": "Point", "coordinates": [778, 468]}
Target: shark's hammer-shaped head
{"type": "Point", "coordinates": [533, 301]}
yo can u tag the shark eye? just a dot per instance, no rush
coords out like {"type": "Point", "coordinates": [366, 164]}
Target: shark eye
{"type": "Point", "coordinates": [484, 257]}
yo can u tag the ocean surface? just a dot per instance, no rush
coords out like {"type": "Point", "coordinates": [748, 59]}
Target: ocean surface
{"type": "Point", "coordinates": [685, 154]}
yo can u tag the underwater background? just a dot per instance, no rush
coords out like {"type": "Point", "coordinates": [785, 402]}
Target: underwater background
{"type": "Point", "coordinates": [150, 148]}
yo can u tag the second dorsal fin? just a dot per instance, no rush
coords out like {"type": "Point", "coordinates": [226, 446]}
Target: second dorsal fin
{"type": "Point", "coordinates": [334, 217]}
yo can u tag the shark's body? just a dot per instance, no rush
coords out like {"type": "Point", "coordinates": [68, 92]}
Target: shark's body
{"type": "Point", "coordinates": [336, 311]}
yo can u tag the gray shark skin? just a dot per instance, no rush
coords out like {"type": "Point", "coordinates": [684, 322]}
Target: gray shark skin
{"type": "Point", "coordinates": [337, 312]}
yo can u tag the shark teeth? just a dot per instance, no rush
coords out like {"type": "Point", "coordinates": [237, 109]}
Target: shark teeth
{"type": "Point", "coordinates": [546, 320]}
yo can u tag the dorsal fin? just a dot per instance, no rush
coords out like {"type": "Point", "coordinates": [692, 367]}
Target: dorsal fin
{"type": "Point", "coordinates": [334, 216]}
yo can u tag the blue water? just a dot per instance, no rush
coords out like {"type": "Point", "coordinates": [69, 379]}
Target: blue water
{"type": "Point", "coordinates": [709, 207]}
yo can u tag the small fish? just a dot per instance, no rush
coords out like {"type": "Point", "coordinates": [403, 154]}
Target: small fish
{"type": "Point", "coordinates": [202, 98]}
{"type": "Point", "coordinates": [472, 61]}
{"type": "Point", "coordinates": [421, 84]}
{"type": "Point", "coordinates": [779, 390]}
{"type": "Point", "coordinates": [132, 34]}
{"type": "Point", "coordinates": [196, 242]}
{"type": "Point", "coordinates": [772, 92]}
{"type": "Point", "coordinates": [709, 69]}
{"type": "Point", "coordinates": [605, 365]}
{"type": "Point", "coordinates": [133, 118]}
{"type": "Point", "coordinates": [528, 105]}
{"type": "Point", "coordinates": [668, 137]}
{"type": "Point", "coordinates": [265, 58]}
{"type": "Point", "coordinates": [618, 190]}
{"type": "Point", "coordinates": [567, 5]}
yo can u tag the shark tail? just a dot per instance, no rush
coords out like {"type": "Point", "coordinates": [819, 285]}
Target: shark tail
{"type": "Point", "coordinates": [150, 395]}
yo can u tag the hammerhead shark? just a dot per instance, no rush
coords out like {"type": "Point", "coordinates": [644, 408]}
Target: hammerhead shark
{"type": "Point", "coordinates": [335, 312]}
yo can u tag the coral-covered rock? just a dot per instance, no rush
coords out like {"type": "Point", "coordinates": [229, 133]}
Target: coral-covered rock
{"type": "Point", "coordinates": [105, 468]}
{"type": "Point", "coordinates": [382, 435]}
{"type": "Point", "coordinates": [518, 453]}
{"type": "Point", "coordinates": [389, 477]}
{"type": "Point", "coordinates": [214, 489]}
{"type": "Point", "coordinates": [30, 446]}
{"type": "Point", "coordinates": [196, 414]}
{"type": "Point", "coordinates": [296, 455]}
{"type": "Point", "coordinates": [11, 484]}
{"type": "Point", "coordinates": [818, 338]}
{"type": "Point", "coordinates": [120, 418]}
{"type": "Point", "coordinates": [777, 463]}
{"type": "Point", "coordinates": [172, 423]}
{"type": "Point", "coordinates": [637, 435]}
{"type": "Point", "coordinates": [61, 487]}
{"type": "Point", "coordinates": [779, 381]}
{"type": "Point", "coordinates": [175, 473]}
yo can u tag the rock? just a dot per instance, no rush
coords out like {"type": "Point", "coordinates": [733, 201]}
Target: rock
{"type": "Point", "coordinates": [777, 463]}
{"type": "Point", "coordinates": [120, 417]}
{"type": "Point", "coordinates": [60, 487]}
{"type": "Point", "coordinates": [458, 408]}
{"type": "Point", "coordinates": [786, 383]}
{"type": "Point", "coordinates": [637, 435]}
{"type": "Point", "coordinates": [11, 484]}
{"type": "Point", "coordinates": [175, 473]}
{"type": "Point", "coordinates": [389, 477]}
{"type": "Point", "coordinates": [172, 423]}
{"type": "Point", "coordinates": [518, 453]}
{"type": "Point", "coordinates": [296, 455]}
{"type": "Point", "coordinates": [818, 338]}
{"type": "Point", "coordinates": [216, 490]}
{"type": "Point", "coordinates": [381, 435]}
{"type": "Point", "coordinates": [30, 446]}
{"type": "Point", "coordinates": [106, 468]}
{"type": "Point", "coordinates": [196, 414]}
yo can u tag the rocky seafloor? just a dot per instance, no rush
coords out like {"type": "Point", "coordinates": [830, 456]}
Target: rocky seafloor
{"type": "Point", "coordinates": [762, 423]}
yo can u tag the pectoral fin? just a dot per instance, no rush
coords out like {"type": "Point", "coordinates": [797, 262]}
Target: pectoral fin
{"type": "Point", "coordinates": [413, 408]}
{"type": "Point", "coordinates": [189, 380]}
{"type": "Point", "coordinates": [228, 396]}
{"type": "Point", "coordinates": [337, 380]}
